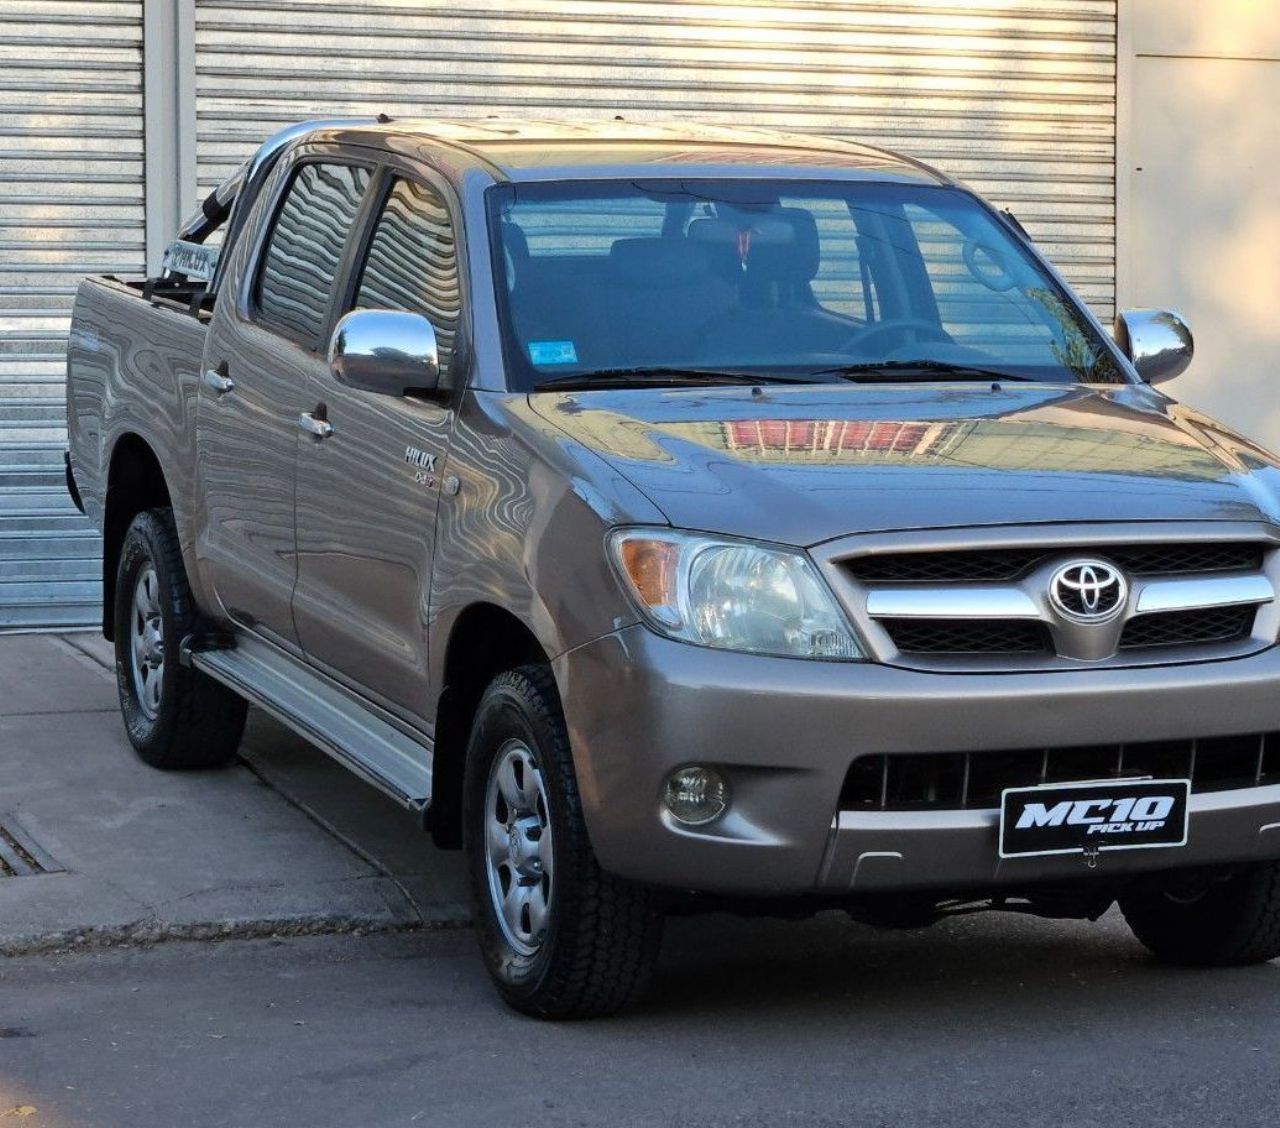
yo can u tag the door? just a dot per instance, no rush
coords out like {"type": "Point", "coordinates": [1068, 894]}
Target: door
{"type": "Point", "coordinates": [368, 491]}
{"type": "Point", "coordinates": [263, 349]}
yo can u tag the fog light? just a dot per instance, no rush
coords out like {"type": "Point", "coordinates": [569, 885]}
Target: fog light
{"type": "Point", "coordinates": [696, 795]}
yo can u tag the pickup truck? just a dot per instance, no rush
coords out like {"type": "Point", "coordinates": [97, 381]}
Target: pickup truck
{"type": "Point", "coordinates": [679, 517]}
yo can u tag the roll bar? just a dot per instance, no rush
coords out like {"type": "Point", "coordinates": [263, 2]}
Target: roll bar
{"type": "Point", "coordinates": [231, 200]}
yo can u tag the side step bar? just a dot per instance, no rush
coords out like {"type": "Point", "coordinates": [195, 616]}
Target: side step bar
{"type": "Point", "coordinates": [323, 713]}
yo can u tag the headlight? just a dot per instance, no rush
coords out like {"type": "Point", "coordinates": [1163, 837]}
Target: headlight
{"type": "Point", "coordinates": [732, 594]}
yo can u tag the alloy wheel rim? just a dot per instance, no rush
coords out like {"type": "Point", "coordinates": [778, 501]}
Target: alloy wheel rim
{"type": "Point", "coordinates": [146, 642]}
{"type": "Point", "coordinates": [518, 851]}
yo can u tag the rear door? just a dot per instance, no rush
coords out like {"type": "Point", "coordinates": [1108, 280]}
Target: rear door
{"type": "Point", "coordinates": [368, 492]}
{"type": "Point", "coordinates": [266, 343]}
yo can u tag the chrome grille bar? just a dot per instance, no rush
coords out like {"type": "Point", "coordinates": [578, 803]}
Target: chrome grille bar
{"type": "Point", "coordinates": [986, 601]}
{"type": "Point", "coordinates": [1001, 601]}
{"type": "Point", "coordinates": [1205, 591]}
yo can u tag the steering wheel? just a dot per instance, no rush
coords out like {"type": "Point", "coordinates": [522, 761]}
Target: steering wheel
{"type": "Point", "coordinates": [916, 326]}
{"type": "Point", "coordinates": [990, 269]}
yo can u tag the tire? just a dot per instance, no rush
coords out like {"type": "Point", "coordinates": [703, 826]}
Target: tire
{"type": "Point", "coordinates": [1208, 918]}
{"type": "Point", "coordinates": [175, 717]}
{"type": "Point", "coordinates": [579, 943]}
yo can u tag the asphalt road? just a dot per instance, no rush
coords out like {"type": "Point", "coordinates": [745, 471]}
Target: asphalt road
{"type": "Point", "coordinates": [991, 1020]}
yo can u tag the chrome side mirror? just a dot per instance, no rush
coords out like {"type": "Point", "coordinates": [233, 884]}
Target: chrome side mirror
{"type": "Point", "coordinates": [385, 351]}
{"type": "Point", "coordinates": [1157, 341]}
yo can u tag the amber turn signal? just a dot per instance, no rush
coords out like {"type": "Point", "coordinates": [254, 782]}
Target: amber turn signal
{"type": "Point", "coordinates": [651, 567]}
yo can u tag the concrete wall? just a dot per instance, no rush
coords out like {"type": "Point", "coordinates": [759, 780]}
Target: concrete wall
{"type": "Point", "coordinates": [1198, 198]}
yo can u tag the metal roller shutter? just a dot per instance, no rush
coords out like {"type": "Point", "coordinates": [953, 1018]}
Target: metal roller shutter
{"type": "Point", "coordinates": [1016, 97]}
{"type": "Point", "coordinates": [71, 203]}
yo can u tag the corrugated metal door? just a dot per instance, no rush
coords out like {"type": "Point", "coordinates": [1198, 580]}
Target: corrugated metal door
{"type": "Point", "coordinates": [1017, 97]}
{"type": "Point", "coordinates": [71, 203]}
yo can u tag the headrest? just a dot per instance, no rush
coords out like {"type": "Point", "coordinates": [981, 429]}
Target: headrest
{"type": "Point", "coordinates": [659, 262]}
{"type": "Point", "coordinates": [784, 246]}
{"type": "Point", "coordinates": [720, 238]}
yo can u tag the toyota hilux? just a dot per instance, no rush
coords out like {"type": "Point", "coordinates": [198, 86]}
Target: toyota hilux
{"type": "Point", "coordinates": [679, 516]}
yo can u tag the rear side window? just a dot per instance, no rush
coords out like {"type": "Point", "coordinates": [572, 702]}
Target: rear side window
{"type": "Point", "coordinates": [296, 277]}
{"type": "Point", "coordinates": [412, 263]}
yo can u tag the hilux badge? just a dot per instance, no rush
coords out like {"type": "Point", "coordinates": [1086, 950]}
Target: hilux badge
{"type": "Point", "coordinates": [424, 465]}
{"type": "Point", "coordinates": [1088, 591]}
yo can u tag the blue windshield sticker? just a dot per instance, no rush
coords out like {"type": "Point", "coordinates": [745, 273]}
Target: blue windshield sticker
{"type": "Point", "coordinates": [553, 352]}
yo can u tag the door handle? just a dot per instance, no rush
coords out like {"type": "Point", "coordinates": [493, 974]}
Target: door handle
{"type": "Point", "coordinates": [317, 428]}
{"type": "Point", "coordinates": [220, 382]}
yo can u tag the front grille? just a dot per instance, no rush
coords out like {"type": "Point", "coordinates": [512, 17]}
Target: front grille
{"type": "Point", "coordinates": [974, 780]}
{"type": "Point", "coordinates": [1187, 628]}
{"type": "Point", "coordinates": [968, 636]}
{"type": "Point", "coordinates": [996, 564]}
{"type": "Point", "coordinates": [946, 567]}
{"type": "Point", "coordinates": [993, 606]}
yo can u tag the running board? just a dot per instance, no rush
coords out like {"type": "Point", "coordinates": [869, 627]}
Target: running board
{"type": "Point", "coordinates": [328, 716]}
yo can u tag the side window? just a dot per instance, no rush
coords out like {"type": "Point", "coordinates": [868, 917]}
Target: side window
{"type": "Point", "coordinates": [297, 272]}
{"type": "Point", "coordinates": [412, 263]}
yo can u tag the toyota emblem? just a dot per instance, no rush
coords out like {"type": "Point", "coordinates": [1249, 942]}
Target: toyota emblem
{"type": "Point", "coordinates": [1088, 591]}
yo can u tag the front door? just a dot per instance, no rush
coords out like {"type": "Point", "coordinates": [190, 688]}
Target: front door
{"type": "Point", "coordinates": [368, 491]}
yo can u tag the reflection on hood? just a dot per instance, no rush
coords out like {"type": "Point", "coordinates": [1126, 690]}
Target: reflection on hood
{"type": "Point", "coordinates": [805, 463]}
{"type": "Point", "coordinates": [1089, 433]}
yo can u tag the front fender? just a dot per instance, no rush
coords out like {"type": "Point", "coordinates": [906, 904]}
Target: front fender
{"type": "Point", "coordinates": [525, 530]}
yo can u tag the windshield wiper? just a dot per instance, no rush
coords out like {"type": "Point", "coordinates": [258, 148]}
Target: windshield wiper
{"type": "Point", "coordinates": [916, 370]}
{"type": "Point", "coordinates": [671, 376]}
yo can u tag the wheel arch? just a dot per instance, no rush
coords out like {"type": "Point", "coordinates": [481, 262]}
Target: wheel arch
{"type": "Point", "coordinates": [135, 482]}
{"type": "Point", "coordinates": [485, 640]}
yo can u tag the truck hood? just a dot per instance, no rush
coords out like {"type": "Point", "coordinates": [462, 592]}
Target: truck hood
{"type": "Point", "coordinates": [807, 464]}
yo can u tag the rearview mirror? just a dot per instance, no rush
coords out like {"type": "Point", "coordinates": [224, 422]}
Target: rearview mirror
{"type": "Point", "coordinates": [1157, 341]}
{"type": "Point", "coordinates": [385, 351]}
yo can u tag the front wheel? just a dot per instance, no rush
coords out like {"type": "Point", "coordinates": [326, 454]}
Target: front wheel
{"type": "Point", "coordinates": [560, 937]}
{"type": "Point", "coordinates": [175, 717]}
{"type": "Point", "coordinates": [1208, 918]}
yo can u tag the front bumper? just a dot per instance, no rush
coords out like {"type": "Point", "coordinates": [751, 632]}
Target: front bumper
{"type": "Point", "coordinates": [785, 732]}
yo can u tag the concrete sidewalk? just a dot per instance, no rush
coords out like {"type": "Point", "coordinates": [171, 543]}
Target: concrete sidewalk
{"type": "Point", "coordinates": [136, 854]}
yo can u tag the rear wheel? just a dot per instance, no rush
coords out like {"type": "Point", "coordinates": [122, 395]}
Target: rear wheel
{"type": "Point", "coordinates": [1208, 918]}
{"type": "Point", "coordinates": [560, 937]}
{"type": "Point", "coordinates": [175, 717]}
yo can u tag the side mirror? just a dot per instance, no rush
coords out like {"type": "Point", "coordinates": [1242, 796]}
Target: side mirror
{"type": "Point", "coordinates": [1157, 341]}
{"type": "Point", "coordinates": [385, 351]}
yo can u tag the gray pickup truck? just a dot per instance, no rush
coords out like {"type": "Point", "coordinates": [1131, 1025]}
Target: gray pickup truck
{"type": "Point", "coordinates": [683, 517]}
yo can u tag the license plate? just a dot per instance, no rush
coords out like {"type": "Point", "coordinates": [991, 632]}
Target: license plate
{"type": "Point", "coordinates": [1079, 818]}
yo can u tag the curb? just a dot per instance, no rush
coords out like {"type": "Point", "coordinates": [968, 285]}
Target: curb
{"type": "Point", "coordinates": [143, 934]}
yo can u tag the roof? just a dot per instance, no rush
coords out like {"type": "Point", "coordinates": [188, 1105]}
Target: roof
{"type": "Point", "coordinates": [530, 149]}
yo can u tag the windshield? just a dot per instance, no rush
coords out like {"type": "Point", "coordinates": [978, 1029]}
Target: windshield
{"type": "Point", "coordinates": [822, 279]}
